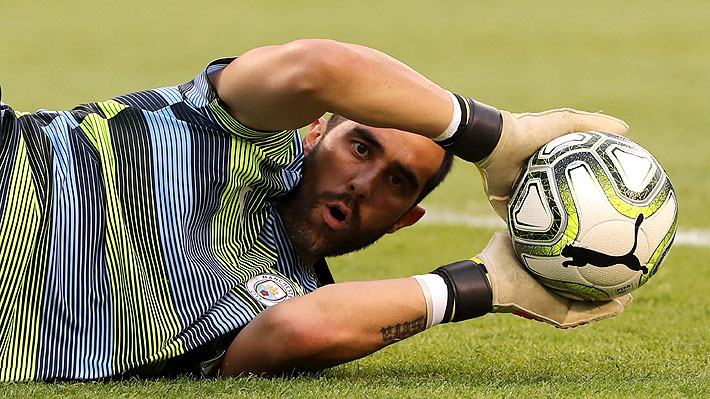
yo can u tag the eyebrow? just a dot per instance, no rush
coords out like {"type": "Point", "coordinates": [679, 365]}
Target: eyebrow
{"type": "Point", "coordinates": [406, 172]}
{"type": "Point", "coordinates": [367, 135]}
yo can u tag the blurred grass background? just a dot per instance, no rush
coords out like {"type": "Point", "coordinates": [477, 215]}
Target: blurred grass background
{"type": "Point", "coordinates": [644, 61]}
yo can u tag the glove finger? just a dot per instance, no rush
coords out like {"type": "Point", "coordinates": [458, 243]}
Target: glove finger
{"type": "Point", "coordinates": [567, 120]}
{"type": "Point", "coordinates": [589, 312]}
{"type": "Point", "coordinates": [500, 206]}
{"type": "Point", "coordinates": [625, 300]}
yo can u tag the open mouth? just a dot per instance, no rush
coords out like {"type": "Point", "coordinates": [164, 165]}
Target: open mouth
{"type": "Point", "coordinates": [337, 216]}
{"type": "Point", "coordinates": [337, 213]}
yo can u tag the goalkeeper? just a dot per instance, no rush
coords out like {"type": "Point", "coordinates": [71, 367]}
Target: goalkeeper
{"type": "Point", "coordinates": [185, 228]}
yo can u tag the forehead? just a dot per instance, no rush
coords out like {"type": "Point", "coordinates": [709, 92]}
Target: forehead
{"type": "Point", "coordinates": [419, 153]}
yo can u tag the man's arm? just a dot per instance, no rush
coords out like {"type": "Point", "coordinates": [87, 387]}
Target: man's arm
{"type": "Point", "coordinates": [289, 86]}
{"type": "Point", "coordinates": [342, 322]}
{"type": "Point", "coordinates": [332, 325]}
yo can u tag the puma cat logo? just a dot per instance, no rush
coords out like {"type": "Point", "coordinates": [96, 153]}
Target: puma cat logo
{"type": "Point", "coordinates": [585, 256]}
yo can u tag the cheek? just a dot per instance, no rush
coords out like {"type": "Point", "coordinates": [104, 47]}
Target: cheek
{"type": "Point", "coordinates": [336, 167]}
{"type": "Point", "coordinates": [326, 167]}
{"type": "Point", "coordinates": [385, 208]}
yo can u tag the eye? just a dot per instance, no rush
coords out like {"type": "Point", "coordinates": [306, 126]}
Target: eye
{"type": "Point", "coordinates": [360, 148]}
{"type": "Point", "coordinates": [396, 181]}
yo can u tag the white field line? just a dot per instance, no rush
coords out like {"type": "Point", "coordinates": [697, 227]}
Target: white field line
{"type": "Point", "coordinates": [692, 237]}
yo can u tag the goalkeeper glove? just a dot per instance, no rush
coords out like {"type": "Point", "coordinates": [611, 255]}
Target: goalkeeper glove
{"type": "Point", "coordinates": [496, 282]}
{"type": "Point", "coordinates": [500, 142]}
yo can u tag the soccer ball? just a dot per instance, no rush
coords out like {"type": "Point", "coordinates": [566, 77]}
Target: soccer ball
{"type": "Point", "coordinates": [592, 216]}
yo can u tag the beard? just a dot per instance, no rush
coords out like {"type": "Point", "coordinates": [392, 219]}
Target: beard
{"type": "Point", "coordinates": [301, 211]}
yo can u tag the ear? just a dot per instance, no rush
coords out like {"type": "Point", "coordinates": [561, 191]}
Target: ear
{"type": "Point", "coordinates": [315, 133]}
{"type": "Point", "coordinates": [412, 216]}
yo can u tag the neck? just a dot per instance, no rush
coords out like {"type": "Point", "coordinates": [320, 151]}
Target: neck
{"type": "Point", "coordinates": [308, 259]}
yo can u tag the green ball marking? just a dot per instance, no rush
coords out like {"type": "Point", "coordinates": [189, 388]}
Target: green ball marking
{"type": "Point", "coordinates": [551, 171]}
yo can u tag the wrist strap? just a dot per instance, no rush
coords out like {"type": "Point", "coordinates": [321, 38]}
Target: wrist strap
{"type": "Point", "coordinates": [470, 293]}
{"type": "Point", "coordinates": [478, 133]}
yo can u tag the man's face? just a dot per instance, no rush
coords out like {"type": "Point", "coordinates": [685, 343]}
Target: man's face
{"type": "Point", "coordinates": [358, 183]}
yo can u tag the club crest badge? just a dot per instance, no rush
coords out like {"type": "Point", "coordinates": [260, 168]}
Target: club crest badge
{"type": "Point", "coordinates": [270, 289]}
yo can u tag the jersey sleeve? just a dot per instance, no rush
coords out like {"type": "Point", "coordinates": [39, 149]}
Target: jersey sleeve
{"type": "Point", "coordinates": [266, 288]}
{"type": "Point", "coordinates": [203, 97]}
{"type": "Point", "coordinates": [7, 124]}
{"type": "Point", "coordinates": [5, 115]}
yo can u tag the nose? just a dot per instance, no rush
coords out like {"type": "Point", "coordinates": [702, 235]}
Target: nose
{"type": "Point", "coordinates": [362, 183]}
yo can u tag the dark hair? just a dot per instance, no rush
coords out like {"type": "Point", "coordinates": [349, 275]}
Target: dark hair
{"type": "Point", "coordinates": [437, 177]}
{"type": "Point", "coordinates": [334, 121]}
{"type": "Point", "coordinates": [431, 183]}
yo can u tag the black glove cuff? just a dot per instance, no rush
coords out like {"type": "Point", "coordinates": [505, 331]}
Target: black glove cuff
{"type": "Point", "coordinates": [478, 132]}
{"type": "Point", "coordinates": [470, 293]}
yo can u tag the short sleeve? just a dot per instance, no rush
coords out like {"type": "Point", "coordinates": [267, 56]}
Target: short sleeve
{"type": "Point", "coordinates": [266, 288]}
{"type": "Point", "coordinates": [202, 96]}
{"type": "Point", "coordinates": [7, 122]}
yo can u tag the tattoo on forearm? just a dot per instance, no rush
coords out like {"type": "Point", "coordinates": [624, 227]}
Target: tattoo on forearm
{"type": "Point", "coordinates": [403, 330]}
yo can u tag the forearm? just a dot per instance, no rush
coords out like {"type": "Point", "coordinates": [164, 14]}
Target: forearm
{"type": "Point", "coordinates": [377, 90]}
{"type": "Point", "coordinates": [291, 85]}
{"type": "Point", "coordinates": [333, 325]}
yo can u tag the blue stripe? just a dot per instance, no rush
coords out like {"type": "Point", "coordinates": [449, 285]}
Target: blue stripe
{"type": "Point", "coordinates": [77, 320]}
{"type": "Point", "coordinates": [171, 147]}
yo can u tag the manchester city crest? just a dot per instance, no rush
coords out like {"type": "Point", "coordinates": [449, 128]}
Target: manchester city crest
{"type": "Point", "coordinates": [270, 289]}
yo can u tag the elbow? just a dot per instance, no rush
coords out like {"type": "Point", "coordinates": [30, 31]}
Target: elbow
{"type": "Point", "coordinates": [305, 341]}
{"type": "Point", "coordinates": [315, 63]}
{"type": "Point", "coordinates": [300, 336]}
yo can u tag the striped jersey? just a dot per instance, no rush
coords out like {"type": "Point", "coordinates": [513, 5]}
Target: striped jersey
{"type": "Point", "coordinates": [137, 231]}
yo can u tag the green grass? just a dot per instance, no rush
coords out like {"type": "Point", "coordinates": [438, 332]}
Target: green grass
{"type": "Point", "coordinates": [644, 61]}
{"type": "Point", "coordinates": [658, 347]}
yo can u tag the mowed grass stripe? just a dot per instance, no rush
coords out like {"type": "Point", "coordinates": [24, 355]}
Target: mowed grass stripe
{"type": "Point", "coordinates": [446, 217]}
